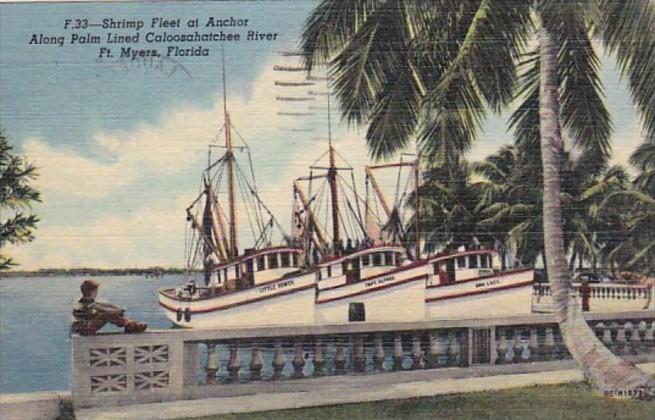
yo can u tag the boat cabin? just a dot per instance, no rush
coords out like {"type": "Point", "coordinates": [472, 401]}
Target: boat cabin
{"type": "Point", "coordinates": [354, 267]}
{"type": "Point", "coordinates": [255, 268]}
{"type": "Point", "coordinates": [463, 266]}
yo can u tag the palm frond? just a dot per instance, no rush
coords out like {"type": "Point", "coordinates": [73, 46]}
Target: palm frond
{"type": "Point", "coordinates": [628, 30]}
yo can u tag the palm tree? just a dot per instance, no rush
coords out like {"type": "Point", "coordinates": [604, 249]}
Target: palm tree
{"type": "Point", "coordinates": [430, 69]}
{"type": "Point", "coordinates": [448, 208]}
{"type": "Point", "coordinates": [510, 202]}
{"type": "Point", "coordinates": [644, 159]}
{"type": "Point", "coordinates": [16, 196]}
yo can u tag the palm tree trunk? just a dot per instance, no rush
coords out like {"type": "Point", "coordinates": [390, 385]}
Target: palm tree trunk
{"type": "Point", "coordinates": [610, 374]}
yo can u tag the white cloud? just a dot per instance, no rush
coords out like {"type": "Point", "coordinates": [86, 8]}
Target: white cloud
{"type": "Point", "coordinates": [177, 141]}
{"type": "Point", "coordinates": [153, 234]}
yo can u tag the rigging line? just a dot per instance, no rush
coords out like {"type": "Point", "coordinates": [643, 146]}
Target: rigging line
{"type": "Point", "coordinates": [251, 198]}
{"type": "Point", "coordinates": [220, 162]}
{"type": "Point", "coordinates": [319, 158]}
{"type": "Point", "coordinates": [318, 199]}
{"type": "Point", "coordinates": [245, 205]}
{"type": "Point", "coordinates": [216, 138]}
{"type": "Point", "coordinates": [352, 189]}
{"type": "Point", "coordinates": [397, 189]}
{"type": "Point", "coordinates": [250, 201]}
{"type": "Point", "coordinates": [309, 217]}
{"type": "Point", "coordinates": [344, 159]}
{"type": "Point", "coordinates": [358, 220]}
{"type": "Point", "coordinates": [277, 223]}
{"type": "Point", "coordinates": [359, 210]}
{"type": "Point", "coordinates": [258, 209]}
{"type": "Point", "coordinates": [343, 222]}
{"type": "Point", "coordinates": [344, 196]}
{"type": "Point", "coordinates": [350, 225]}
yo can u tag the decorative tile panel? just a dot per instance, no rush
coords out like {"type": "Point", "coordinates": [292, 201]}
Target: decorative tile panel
{"type": "Point", "coordinates": [151, 380]}
{"type": "Point", "coordinates": [109, 383]}
{"type": "Point", "coordinates": [151, 354]}
{"type": "Point", "coordinates": [108, 357]}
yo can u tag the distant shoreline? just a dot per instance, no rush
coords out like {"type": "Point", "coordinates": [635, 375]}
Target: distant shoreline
{"type": "Point", "coordinates": [76, 272]}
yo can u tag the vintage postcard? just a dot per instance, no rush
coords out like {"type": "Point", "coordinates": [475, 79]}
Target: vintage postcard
{"type": "Point", "coordinates": [327, 209]}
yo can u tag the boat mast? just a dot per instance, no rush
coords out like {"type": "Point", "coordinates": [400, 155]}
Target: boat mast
{"type": "Point", "coordinates": [332, 179]}
{"type": "Point", "coordinates": [234, 250]}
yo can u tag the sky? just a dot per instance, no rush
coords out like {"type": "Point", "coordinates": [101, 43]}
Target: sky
{"type": "Point", "coordinates": [120, 144]}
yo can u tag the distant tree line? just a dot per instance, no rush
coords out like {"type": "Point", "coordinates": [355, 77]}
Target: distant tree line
{"type": "Point", "coordinates": [85, 271]}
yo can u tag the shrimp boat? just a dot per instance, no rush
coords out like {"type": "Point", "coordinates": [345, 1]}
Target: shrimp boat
{"type": "Point", "coordinates": [264, 285]}
{"type": "Point", "coordinates": [312, 277]}
{"type": "Point", "coordinates": [389, 280]}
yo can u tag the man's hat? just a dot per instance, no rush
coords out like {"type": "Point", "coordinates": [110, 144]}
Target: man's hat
{"type": "Point", "coordinates": [88, 286]}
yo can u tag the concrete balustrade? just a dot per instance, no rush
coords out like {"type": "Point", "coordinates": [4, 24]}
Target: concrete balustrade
{"type": "Point", "coordinates": [118, 369]}
{"type": "Point", "coordinates": [608, 297]}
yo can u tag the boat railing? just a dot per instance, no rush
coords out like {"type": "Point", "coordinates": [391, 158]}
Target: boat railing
{"type": "Point", "coordinates": [118, 369]}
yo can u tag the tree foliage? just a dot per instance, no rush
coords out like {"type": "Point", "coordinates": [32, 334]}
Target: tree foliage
{"type": "Point", "coordinates": [17, 223]}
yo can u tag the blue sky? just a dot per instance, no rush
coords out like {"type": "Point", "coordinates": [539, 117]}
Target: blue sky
{"type": "Point", "coordinates": [120, 147]}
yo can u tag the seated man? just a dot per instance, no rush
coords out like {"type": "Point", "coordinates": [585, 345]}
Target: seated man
{"type": "Point", "coordinates": [89, 315]}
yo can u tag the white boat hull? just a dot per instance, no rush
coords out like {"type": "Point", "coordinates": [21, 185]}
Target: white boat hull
{"type": "Point", "coordinates": [284, 302]}
{"type": "Point", "coordinates": [504, 294]}
{"type": "Point", "coordinates": [395, 296]}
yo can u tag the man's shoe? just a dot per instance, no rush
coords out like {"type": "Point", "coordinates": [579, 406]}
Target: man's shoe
{"type": "Point", "coordinates": [134, 327]}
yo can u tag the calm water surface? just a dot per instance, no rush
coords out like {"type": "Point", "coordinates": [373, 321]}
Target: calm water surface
{"type": "Point", "coordinates": [35, 314]}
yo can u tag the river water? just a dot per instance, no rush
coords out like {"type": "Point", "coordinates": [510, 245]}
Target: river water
{"type": "Point", "coordinates": [35, 314]}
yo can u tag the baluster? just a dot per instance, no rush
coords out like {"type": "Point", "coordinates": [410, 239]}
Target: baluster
{"type": "Point", "coordinates": [517, 348]}
{"type": "Point", "coordinates": [298, 361]}
{"type": "Point", "coordinates": [534, 345]}
{"type": "Point", "coordinates": [502, 347]}
{"type": "Point", "coordinates": [417, 354]}
{"type": "Point", "coordinates": [319, 358]}
{"type": "Point", "coordinates": [433, 358]}
{"type": "Point", "coordinates": [598, 329]}
{"type": "Point", "coordinates": [339, 358]}
{"type": "Point", "coordinates": [607, 335]}
{"type": "Point", "coordinates": [256, 364]}
{"type": "Point", "coordinates": [453, 348]}
{"type": "Point", "coordinates": [278, 360]}
{"type": "Point", "coordinates": [234, 363]}
{"type": "Point", "coordinates": [212, 366]}
{"type": "Point", "coordinates": [398, 352]}
{"type": "Point", "coordinates": [635, 338]}
{"type": "Point", "coordinates": [629, 345]}
{"type": "Point", "coordinates": [621, 341]}
{"type": "Point", "coordinates": [649, 335]}
{"type": "Point", "coordinates": [359, 356]}
{"type": "Point", "coordinates": [549, 344]}
{"type": "Point", "coordinates": [378, 352]}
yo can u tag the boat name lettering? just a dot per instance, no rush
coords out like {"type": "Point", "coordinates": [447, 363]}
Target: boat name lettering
{"type": "Point", "coordinates": [276, 286]}
{"type": "Point", "coordinates": [379, 281]}
{"type": "Point", "coordinates": [487, 283]}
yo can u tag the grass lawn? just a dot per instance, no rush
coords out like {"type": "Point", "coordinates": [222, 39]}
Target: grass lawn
{"type": "Point", "coordinates": [552, 402]}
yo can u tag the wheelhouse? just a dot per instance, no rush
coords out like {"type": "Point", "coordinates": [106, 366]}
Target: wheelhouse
{"type": "Point", "coordinates": [255, 268]}
{"type": "Point", "coordinates": [359, 265]}
{"type": "Point", "coordinates": [463, 266]}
